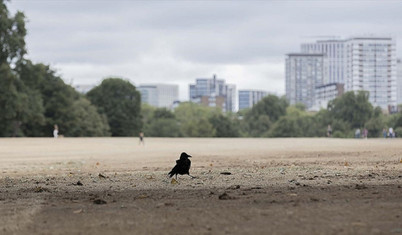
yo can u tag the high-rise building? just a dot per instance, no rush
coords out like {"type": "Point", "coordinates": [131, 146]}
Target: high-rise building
{"type": "Point", "coordinates": [399, 82]}
{"type": "Point", "coordinates": [371, 66]}
{"type": "Point", "coordinates": [159, 95]}
{"type": "Point", "coordinates": [334, 51]}
{"type": "Point", "coordinates": [362, 63]}
{"type": "Point", "coordinates": [248, 98]}
{"type": "Point", "coordinates": [213, 92]}
{"type": "Point", "coordinates": [231, 98]}
{"type": "Point", "coordinates": [304, 72]}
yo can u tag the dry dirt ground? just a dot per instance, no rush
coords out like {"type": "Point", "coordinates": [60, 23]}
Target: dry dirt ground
{"type": "Point", "coordinates": [275, 186]}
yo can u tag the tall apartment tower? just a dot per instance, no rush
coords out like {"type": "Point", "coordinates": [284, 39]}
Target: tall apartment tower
{"type": "Point", "coordinates": [304, 72]}
{"type": "Point", "coordinates": [231, 98]}
{"type": "Point", "coordinates": [371, 66]}
{"type": "Point", "coordinates": [248, 98]}
{"type": "Point", "coordinates": [213, 92]}
{"type": "Point", "coordinates": [362, 63]}
{"type": "Point", "coordinates": [399, 82]}
{"type": "Point", "coordinates": [334, 51]}
{"type": "Point", "coordinates": [159, 95]}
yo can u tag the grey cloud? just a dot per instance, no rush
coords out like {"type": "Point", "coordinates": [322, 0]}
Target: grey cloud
{"type": "Point", "coordinates": [206, 32]}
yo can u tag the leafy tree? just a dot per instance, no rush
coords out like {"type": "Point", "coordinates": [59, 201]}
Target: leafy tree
{"type": "Point", "coordinates": [257, 126]}
{"type": "Point", "coordinates": [342, 129]}
{"type": "Point", "coordinates": [376, 123]}
{"type": "Point", "coordinates": [198, 128]}
{"type": "Point", "coordinates": [12, 35]}
{"type": "Point", "coordinates": [58, 98]}
{"type": "Point", "coordinates": [147, 112]}
{"type": "Point", "coordinates": [259, 119]}
{"type": "Point", "coordinates": [193, 119]}
{"type": "Point", "coordinates": [272, 106]}
{"type": "Point", "coordinates": [296, 123]}
{"type": "Point", "coordinates": [352, 108]}
{"type": "Point", "coordinates": [398, 132]}
{"type": "Point", "coordinates": [85, 120]}
{"type": "Point", "coordinates": [398, 120]}
{"type": "Point", "coordinates": [35, 117]}
{"type": "Point", "coordinates": [160, 122]}
{"type": "Point", "coordinates": [300, 106]}
{"type": "Point", "coordinates": [224, 126]}
{"type": "Point", "coordinates": [62, 104]}
{"type": "Point", "coordinates": [20, 106]}
{"type": "Point", "coordinates": [163, 113]}
{"type": "Point", "coordinates": [163, 127]}
{"type": "Point", "coordinates": [322, 120]}
{"type": "Point", "coordinates": [121, 103]}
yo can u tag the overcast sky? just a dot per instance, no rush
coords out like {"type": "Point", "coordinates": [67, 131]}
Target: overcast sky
{"type": "Point", "coordinates": [244, 42]}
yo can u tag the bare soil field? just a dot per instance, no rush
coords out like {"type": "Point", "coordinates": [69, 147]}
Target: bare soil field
{"type": "Point", "coordinates": [242, 186]}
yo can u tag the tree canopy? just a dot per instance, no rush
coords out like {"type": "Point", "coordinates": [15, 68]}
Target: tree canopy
{"type": "Point", "coordinates": [119, 100]}
{"type": "Point", "coordinates": [352, 107]}
{"type": "Point", "coordinates": [259, 119]}
{"type": "Point", "coordinates": [12, 35]}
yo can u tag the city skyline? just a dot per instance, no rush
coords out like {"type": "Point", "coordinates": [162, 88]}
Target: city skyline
{"type": "Point", "coordinates": [358, 63]}
{"type": "Point", "coordinates": [177, 41]}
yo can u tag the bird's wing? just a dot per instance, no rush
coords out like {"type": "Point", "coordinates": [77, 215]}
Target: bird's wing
{"type": "Point", "coordinates": [187, 166]}
{"type": "Point", "coordinates": [173, 171]}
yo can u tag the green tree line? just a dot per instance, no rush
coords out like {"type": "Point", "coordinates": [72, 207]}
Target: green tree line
{"type": "Point", "coordinates": [33, 98]}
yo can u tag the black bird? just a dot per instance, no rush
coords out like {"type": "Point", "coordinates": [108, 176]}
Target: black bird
{"type": "Point", "coordinates": [182, 166]}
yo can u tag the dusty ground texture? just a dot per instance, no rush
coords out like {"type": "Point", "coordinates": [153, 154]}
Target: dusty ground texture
{"type": "Point", "coordinates": [276, 186]}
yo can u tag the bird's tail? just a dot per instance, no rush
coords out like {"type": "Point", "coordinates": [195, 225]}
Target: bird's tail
{"type": "Point", "coordinates": [170, 174]}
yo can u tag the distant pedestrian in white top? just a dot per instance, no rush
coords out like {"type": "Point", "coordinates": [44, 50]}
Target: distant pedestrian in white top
{"type": "Point", "coordinates": [56, 131]}
{"type": "Point", "coordinates": [391, 132]}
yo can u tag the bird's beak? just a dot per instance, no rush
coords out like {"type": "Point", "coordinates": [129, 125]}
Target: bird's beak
{"type": "Point", "coordinates": [188, 155]}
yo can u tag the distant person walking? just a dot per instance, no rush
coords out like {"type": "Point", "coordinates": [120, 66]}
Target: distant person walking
{"type": "Point", "coordinates": [56, 131]}
{"type": "Point", "coordinates": [391, 132]}
{"type": "Point", "coordinates": [384, 133]}
{"type": "Point", "coordinates": [329, 131]}
{"type": "Point", "coordinates": [365, 133]}
{"type": "Point", "coordinates": [357, 133]}
{"type": "Point", "coordinates": [141, 138]}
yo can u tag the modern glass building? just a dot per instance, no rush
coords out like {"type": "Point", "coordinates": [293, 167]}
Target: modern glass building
{"type": "Point", "coordinates": [304, 72]}
{"type": "Point", "coordinates": [159, 95]}
{"type": "Point", "coordinates": [213, 92]}
{"type": "Point", "coordinates": [248, 98]}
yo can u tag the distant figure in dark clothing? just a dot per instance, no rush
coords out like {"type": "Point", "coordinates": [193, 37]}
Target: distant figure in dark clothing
{"type": "Point", "coordinates": [182, 166]}
{"type": "Point", "coordinates": [384, 133]}
{"type": "Point", "coordinates": [329, 131]}
{"type": "Point", "coordinates": [141, 138]}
